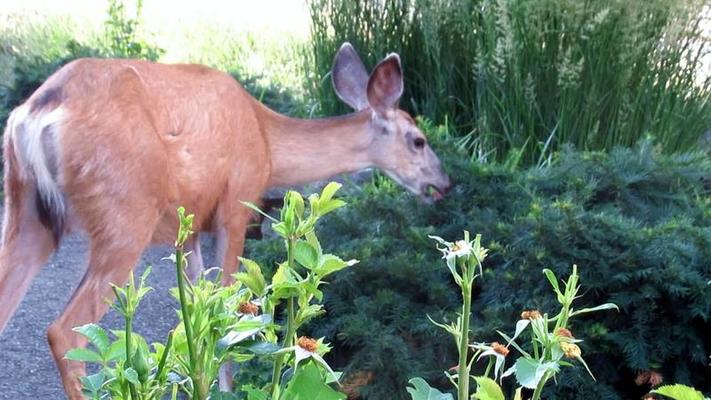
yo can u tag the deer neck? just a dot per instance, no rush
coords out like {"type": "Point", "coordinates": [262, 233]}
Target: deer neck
{"type": "Point", "coordinates": [310, 150]}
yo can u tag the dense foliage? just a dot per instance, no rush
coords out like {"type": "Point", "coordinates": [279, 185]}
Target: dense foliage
{"type": "Point", "coordinates": [529, 76]}
{"type": "Point", "coordinates": [635, 222]}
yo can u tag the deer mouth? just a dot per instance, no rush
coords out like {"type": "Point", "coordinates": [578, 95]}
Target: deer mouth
{"type": "Point", "coordinates": [432, 193]}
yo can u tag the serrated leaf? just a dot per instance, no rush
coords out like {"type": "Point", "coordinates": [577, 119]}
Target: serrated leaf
{"type": "Point", "coordinates": [284, 283]}
{"type": "Point", "coordinates": [244, 329]}
{"type": "Point", "coordinates": [308, 384]}
{"type": "Point", "coordinates": [83, 355]}
{"type": "Point", "coordinates": [306, 255]}
{"type": "Point", "coordinates": [421, 390]}
{"type": "Point", "coordinates": [96, 335]}
{"type": "Point", "coordinates": [93, 383]}
{"type": "Point", "coordinates": [313, 241]}
{"type": "Point", "coordinates": [252, 278]}
{"type": "Point", "coordinates": [487, 389]}
{"type": "Point", "coordinates": [679, 392]}
{"type": "Point", "coordinates": [529, 372]}
{"type": "Point", "coordinates": [330, 264]}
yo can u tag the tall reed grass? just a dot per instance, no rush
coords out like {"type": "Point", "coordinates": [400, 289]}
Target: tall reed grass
{"type": "Point", "coordinates": [519, 78]}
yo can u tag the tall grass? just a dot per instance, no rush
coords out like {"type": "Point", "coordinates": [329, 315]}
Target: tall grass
{"type": "Point", "coordinates": [522, 77]}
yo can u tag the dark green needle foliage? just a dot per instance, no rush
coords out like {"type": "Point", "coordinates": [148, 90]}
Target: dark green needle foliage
{"type": "Point", "coordinates": [637, 224]}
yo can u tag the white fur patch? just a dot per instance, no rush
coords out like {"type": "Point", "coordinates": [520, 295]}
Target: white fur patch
{"type": "Point", "coordinates": [26, 134]}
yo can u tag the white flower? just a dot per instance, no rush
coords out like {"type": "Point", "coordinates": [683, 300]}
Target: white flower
{"type": "Point", "coordinates": [497, 350]}
{"type": "Point", "coordinates": [306, 348]}
{"type": "Point", "coordinates": [461, 249]}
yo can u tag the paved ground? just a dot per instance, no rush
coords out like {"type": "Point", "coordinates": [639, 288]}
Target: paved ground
{"type": "Point", "coordinates": [27, 370]}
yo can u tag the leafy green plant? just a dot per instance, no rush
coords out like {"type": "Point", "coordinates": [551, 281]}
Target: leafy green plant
{"type": "Point", "coordinates": [520, 79]}
{"type": "Point", "coordinates": [548, 347]}
{"type": "Point", "coordinates": [634, 220]}
{"type": "Point", "coordinates": [120, 33]}
{"type": "Point", "coordinates": [679, 392]}
{"type": "Point", "coordinates": [129, 368]}
{"type": "Point", "coordinates": [234, 323]}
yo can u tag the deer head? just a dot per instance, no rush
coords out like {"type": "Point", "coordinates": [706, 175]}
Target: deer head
{"type": "Point", "coordinates": [398, 147]}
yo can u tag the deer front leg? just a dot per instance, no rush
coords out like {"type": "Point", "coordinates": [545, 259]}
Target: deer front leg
{"type": "Point", "coordinates": [195, 261]}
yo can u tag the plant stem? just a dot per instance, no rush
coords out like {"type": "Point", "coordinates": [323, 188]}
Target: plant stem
{"type": "Point", "coordinates": [179, 260]}
{"type": "Point", "coordinates": [539, 388]}
{"type": "Point", "coordinates": [488, 366]}
{"type": "Point", "coordinates": [290, 328]}
{"type": "Point", "coordinates": [129, 328]}
{"type": "Point", "coordinates": [463, 373]}
{"type": "Point", "coordinates": [160, 372]}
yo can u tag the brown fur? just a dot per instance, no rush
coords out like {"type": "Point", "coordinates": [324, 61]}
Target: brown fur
{"type": "Point", "coordinates": [140, 139]}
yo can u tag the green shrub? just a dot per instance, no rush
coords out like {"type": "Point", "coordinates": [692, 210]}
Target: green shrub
{"type": "Point", "coordinates": [636, 222]}
{"type": "Point", "coordinates": [532, 75]}
{"type": "Point", "coordinates": [30, 54]}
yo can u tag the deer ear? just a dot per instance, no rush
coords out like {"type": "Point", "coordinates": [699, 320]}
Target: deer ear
{"type": "Point", "coordinates": [349, 77]}
{"type": "Point", "coordinates": [385, 84]}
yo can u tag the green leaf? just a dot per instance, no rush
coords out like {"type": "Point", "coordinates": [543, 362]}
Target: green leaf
{"type": "Point", "coordinates": [116, 351]}
{"type": "Point", "coordinates": [244, 329]}
{"type": "Point", "coordinates": [329, 190]}
{"type": "Point", "coordinates": [313, 241]}
{"type": "Point", "coordinates": [327, 207]}
{"type": "Point", "coordinates": [140, 363]}
{"type": "Point", "coordinates": [83, 355]}
{"type": "Point", "coordinates": [679, 392]}
{"type": "Point", "coordinates": [253, 278]}
{"type": "Point", "coordinates": [295, 200]}
{"type": "Point", "coordinates": [131, 375]}
{"type": "Point", "coordinates": [96, 335]}
{"type": "Point", "coordinates": [284, 283]}
{"type": "Point", "coordinates": [308, 384]}
{"type": "Point", "coordinates": [529, 372]}
{"type": "Point", "coordinates": [306, 254]}
{"type": "Point", "coordinates": [262, 348]}
{"type": "Point", "coordinates": [552, 279]}
{"type": "Point", "coordinates": [92, 384]}
{"type": "Point", "coordinates": [257, 209]}
{"type": "Point", "coordinates": [254, 393]}
{"type": "Point", "coordinates": [487, 389]}
{"type": "Point", "coordinates": [421, 390]}
{"type": "Point", "coordinates": [331, 264]}
{"type": "Point", "coordinates": [606, 306]}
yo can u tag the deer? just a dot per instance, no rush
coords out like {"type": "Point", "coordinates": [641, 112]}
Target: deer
{"type": "Point", "coordinates": [112, 147]}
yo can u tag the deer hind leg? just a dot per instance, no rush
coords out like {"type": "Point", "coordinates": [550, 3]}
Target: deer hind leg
{"type": "Point", "coordinates": [111, 260]}
{"type": "Point", "coordinates": [27, 237]}
{"type": "Point", "coordinates": [230, 244]}
{"type": "Point", "coordinates": [26, 246]}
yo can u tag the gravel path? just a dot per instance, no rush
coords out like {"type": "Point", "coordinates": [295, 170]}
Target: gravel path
{"type": "Point", "coordinates": [27, 370]}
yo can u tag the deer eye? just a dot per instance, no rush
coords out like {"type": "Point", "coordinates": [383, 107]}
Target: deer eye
{"type": "Point", "coordinates": [419, 142]}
